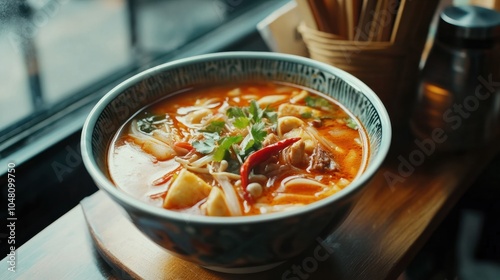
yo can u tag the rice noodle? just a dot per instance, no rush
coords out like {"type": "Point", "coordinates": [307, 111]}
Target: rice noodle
{"type": "Point", "coordinates": [303, 181]}
{"type": "Point", "coordinates": [229, 175]}
{"type": "Point", "coordinates": [189, 167]}
{"type": "Point", "coordinates": [231, 198]}
{"type": "Point", "coordinates": [266, 208]}
{"type": "Point", "coordinates": [144, 137]}
{"type": "Point", "coordinates": [329, 145]}
{"type": "Point", "coordinates": [182, 161]}
{"type": "Point", "coordinates": [189, 109]}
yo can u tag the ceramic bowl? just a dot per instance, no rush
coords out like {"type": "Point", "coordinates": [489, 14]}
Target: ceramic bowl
{"type": "Point", "coordinates": [235, 244]}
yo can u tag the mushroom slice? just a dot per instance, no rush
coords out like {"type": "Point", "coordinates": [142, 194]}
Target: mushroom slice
{"type": "Point", "coordinates": [288, 123]}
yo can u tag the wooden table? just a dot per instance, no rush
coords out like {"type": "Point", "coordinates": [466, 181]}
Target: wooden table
{"type": "Point", "coordinates": [385, 230]}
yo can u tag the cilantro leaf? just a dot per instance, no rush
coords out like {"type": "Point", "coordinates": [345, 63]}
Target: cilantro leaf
{"type": "Point", "coordinates": [306, 115]}
{"type": "Point", "coordinates": [224, 146]}
{"type": "Point", "coordinates": [215, 126]}
{"type": "Point", "coordinates": [235, 112]}
{"type": "Point", "coordinates": [149, 123]}
{"type": "Point", "coordinates": [351, 123]}
{"type": "Point", "coordinates": [271, 116]}
{"type": "Point", "coordinates": [258, 132]}
{"type": "Point", "coordinates": [241, 122]}
{"type": "Point", "coordinates": [255, 111]}
{"type": "Point", "coordinates": [248, 145]}
{"type": "Point", "coordinates": [208, 144]}
{"type": "Point", "coordinates": [318, 102]}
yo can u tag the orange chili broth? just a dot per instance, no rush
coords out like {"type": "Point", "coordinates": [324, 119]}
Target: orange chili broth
{"type": "Point", "coordinates": [189, 97]}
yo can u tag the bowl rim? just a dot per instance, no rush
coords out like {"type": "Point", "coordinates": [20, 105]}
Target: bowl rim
{"type": "Point", "coordinates": [103, 182]}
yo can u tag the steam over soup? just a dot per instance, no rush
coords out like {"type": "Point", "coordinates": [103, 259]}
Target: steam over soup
{"type": "Point", "coordinates": [237, 150]}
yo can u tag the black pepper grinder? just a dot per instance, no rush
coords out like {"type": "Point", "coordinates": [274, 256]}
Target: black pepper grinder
{"type": "Point", "coordinates": [458, 104]}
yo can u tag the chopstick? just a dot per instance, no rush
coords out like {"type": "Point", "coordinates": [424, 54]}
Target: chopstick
{"type": "Point", "coordinates": [365, 20]}
{"type": "Point", "coordinates": [352, 10]}
{"type": "Point", "coordinates": [391, 11]}
{"type": "Point", "coordinates": [353, 20]}
{"type": "Point", "coordinates": [321, 15]}
{"type": "Point", "coordinates": [333, 12]}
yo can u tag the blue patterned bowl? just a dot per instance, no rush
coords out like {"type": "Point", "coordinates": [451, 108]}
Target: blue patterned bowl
{"type": "Point", "coordinates": [235, 244]}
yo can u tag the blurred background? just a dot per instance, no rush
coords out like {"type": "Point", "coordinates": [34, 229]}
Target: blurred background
{"type": "Point", "coordinates": [58, 57]}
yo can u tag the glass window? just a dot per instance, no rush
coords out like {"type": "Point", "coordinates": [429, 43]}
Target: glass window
{"type": "Point", "coordinates": [56, 53]}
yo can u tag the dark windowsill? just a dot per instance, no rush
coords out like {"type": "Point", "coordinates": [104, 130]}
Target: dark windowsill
{"type": "Point", "coordinates": [31, 139]}
{"type": "Point", "coordinates": [51, 178]}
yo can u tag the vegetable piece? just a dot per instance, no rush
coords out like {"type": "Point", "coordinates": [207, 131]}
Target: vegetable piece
{"type": "Point", "coordinates": [259, 157]}
{"type": "Point", "coordinates": [318, 102]}
{"type": "Point", "coordinates": [197, 116]}
{"type": "Point", "coordinates": [258, 132]}
{"type": "Point", "coordinates": [235, 112]}
{"type": "Point", "coordinates": [298, 111]}
{"type": "Point", "coordinates": [187, 190]}
{"type": "Point", "coordinates": [207, 145]}
{"type": "Point", "coordinates": [224, 146]}
{"type": "Point", "coordinates": [241, 122]}
{"type": "Point", "coordinates": [216, 203]}
{"type": "Point", "coordinates": [150, 123]}
{"type": "Point", "coordinates": [214, 126]}
{"type": "Point", "coordinates": [351, 123]}
{"type": "Point", "coordinates": [159, 150]}
{"type": "Point", "coordinates": [231, 198]}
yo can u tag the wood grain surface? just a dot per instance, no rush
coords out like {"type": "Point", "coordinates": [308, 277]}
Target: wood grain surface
{"type": "Point", "coordinates": [386, 228]}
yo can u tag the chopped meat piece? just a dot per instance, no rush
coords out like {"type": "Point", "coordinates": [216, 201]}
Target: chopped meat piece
{"type": "Point", "coordinates": [321, 160]}
{"type": "Point", "coordinates": [270, 139]}
{"type": "Point", "coordinates": [297, 155]}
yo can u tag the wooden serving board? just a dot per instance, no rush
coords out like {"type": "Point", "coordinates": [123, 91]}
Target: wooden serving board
{"type": "Point", "coordinates": [132, 255]}
{"type": "Point", "coordinates": [386, 228]}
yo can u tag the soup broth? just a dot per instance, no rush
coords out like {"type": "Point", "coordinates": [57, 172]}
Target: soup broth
{"type": "Point", "coordinates": [234, 150]}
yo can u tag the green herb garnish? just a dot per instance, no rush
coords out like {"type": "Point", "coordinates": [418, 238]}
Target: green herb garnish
{"type": "Point", "coordinates": [241, 122]}
{"type": "Point", "coordinates": [306, 115]}
{"type": "Point", "coordinates": [258, 132]}
{"type": "Point", "coordinates": [214, 127]}
{"type": "Point", "coordinates": [224, 146]}
{"type": "Point", "coordinates": [351, 123]}
{"type": "Point", "coordinates": [235, 112]}
{"type": "Point", "coordinates": [208, 144]}
{"type": "Point", "coordinates": [150, 123]}
{"type": "Point", "coordinates": [318, 102]}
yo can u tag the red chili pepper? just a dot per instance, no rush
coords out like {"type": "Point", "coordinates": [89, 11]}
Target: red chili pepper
{"type": "Point", "coordinates": [183, 148]}
{"type": "Point", "coordinates": [259, 157]}
{"type": "Point", "coordinates": [183, 145]}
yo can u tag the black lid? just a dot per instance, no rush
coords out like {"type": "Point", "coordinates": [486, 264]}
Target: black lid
{"type": "Point", "coordinates": [469, 26]}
